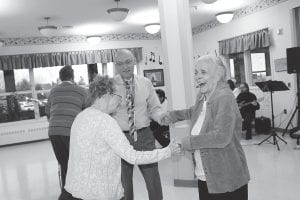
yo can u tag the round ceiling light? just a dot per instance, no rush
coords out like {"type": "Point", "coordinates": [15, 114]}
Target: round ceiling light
{"type": "Point", "coordinates": [224, 17]}
{"type": "Point", "coordinates": [209, 1]}
{"type": "Point", "coordinates": [47, 30]}
{"type": "Point", "coordinates": [152, 28]}
{"type": "Point", "coordinates": [118, 14]}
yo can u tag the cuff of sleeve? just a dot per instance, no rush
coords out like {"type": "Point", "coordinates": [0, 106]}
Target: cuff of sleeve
{"type": "Point", "coordinates": [157, 116]}
{"type": "Point", "coordinates": [172, 117]}
{"type": "Point", "coordinates": [186, 143]}
{"type": "Point", "coordinates": [169, 153]}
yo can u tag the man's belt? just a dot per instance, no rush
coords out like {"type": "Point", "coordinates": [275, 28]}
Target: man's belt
{"type": "Point", "coordinates": [126, 132]}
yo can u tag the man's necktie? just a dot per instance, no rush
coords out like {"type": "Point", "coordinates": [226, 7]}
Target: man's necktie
{"type": "Point", "coordinates": [130, 108]}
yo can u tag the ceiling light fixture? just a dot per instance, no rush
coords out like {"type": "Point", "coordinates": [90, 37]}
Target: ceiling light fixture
{"type": "Point", "coordinates": [93, 39]}
{"type": "Point", "coordinates": [224, 17]}
{"type": "Point", "coordinates": [209, 1]}
{"type": "Point", "coordinates": [48, 30]}
{"type": "Point", "coordinates": [118, 14]}
{"type": "Point", "coordinates": [152, 28]}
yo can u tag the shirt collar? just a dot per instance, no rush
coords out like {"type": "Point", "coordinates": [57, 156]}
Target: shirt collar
{"type": "Point", "coordinates": [122, 81]}
{"type": "Point", "coordinates": [68, 82]}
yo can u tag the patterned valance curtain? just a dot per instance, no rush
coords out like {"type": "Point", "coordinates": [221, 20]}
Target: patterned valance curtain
{"type": "Point", "coordinates": [249, 41]}
{"type": "Point", "coordinates": [26, 61]}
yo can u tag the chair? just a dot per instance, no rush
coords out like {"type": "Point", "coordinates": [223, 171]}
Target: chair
{"type": "Point", "coordinates": [295, 134]}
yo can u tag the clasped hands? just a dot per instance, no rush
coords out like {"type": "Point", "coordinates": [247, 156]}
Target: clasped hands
{"type": "Point", "coordinates": [175, 146]}
{"type": "Point", "coordinates": [165, 119]}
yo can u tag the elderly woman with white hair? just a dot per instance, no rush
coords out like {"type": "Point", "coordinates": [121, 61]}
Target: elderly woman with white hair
{"type": "Point", "coordinates": [216, 126]}
{"type": "Point", "coordinates": [97, 145]}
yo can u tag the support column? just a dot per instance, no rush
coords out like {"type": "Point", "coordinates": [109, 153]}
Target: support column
{"type": "Point", "coordinates": [176, 34]}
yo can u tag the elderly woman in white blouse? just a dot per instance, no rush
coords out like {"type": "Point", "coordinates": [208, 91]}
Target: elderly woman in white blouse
{"type": "Point", "coordinates": [220, 163]}
{"type": "Point", "coordinates": [97, 145]}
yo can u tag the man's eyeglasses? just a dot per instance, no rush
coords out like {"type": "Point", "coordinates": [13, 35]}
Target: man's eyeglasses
{"type": "Point", "coordinates": [126, 62]}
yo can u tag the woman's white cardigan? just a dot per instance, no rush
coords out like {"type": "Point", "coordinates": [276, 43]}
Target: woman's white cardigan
{"type": "Point", "coordinates": [97, 145]}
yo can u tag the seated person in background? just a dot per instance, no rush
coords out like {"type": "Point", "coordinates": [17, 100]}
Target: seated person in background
{"type": "Point", "coordinates": [248, 104]}
{"type": "Point", "coordinates": [97, 145]}
{"type": "Point", "coordinates": [161, 133]}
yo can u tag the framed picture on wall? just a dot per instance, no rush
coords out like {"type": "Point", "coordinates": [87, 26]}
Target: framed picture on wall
{"type": "Point", "coordinates": [156, 76]}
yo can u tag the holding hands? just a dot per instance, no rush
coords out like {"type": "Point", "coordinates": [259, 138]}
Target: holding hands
{"type": "Point", "coordinates": [165, 119]}
{"type": "Point", "coordinates": [175, 147]}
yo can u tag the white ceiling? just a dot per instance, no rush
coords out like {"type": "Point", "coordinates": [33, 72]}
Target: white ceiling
{"type": "Point", "coordinates": [20, 18]}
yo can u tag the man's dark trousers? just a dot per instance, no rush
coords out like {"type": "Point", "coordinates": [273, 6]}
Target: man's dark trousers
{"type": "Point", "coordinates": [145, 142]}
{"type": "Point", "coordinates": [60, 146]}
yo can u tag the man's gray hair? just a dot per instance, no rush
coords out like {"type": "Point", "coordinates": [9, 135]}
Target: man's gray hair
{"type": "Point", "coordinates": [126, 51]}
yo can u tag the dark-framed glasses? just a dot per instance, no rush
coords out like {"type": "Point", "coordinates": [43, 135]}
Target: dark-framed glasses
{"type": "Point", "coordinates": [126, 62]}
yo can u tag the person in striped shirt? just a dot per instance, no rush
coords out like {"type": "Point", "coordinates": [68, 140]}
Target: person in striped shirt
{"type": "Point", "coordinates": [65, 101]}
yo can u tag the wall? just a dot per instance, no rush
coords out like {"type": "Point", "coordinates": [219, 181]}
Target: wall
{"type": "Point", "coordinates": [275, 17]}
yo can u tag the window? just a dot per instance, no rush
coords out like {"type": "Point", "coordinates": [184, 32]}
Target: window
{"type": "Point", "coordinates": [237, 67]}
{"type": "Point", "coordinates": [250, 66]}
{"type": "Point", "coordinates": [106, 69]}
{"type": "Point", "coordinates": [100, 69]}
{"type": "Point", "coordinates": [22, 79]}
{"type": "Point", "coordinates": [81, 75]}
{"type": "Point", "coordinates": [2, 83]}
{"type": "Point", "coordinates": [110, 69]}
{"type": "Point", "coordinates": [46, 77]}
{"type": "Point", "coordinates": [260, 65]}
{"type": "Point", "coordinates": [16, 96]}
{"type": "Point", "coordinates": [20, 101]}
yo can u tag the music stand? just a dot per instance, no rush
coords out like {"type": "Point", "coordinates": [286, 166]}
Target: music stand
{"type": "Point", "coordinates": [272, 86]}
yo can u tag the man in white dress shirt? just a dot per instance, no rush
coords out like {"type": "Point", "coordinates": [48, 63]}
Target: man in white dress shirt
{"type": "Point", "coordinates": [145, 106]}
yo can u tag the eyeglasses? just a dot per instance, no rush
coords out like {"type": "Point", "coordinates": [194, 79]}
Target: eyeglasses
{"type": "Point", "coordinates": [117, 95]}
{"type": "Point", "coordinates": [126, 62]}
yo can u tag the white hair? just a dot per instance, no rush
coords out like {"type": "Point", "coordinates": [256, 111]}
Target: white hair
{"type": "Point", "coordinates": [217, 63]}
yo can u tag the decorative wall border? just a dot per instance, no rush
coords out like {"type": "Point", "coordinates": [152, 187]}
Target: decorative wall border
{"type": "Point", "coordinates": [258, 6]}
{"type": "Point", "coordinates": [76, 39]}
{"type": "Point", "coordinates": [255, 7]}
